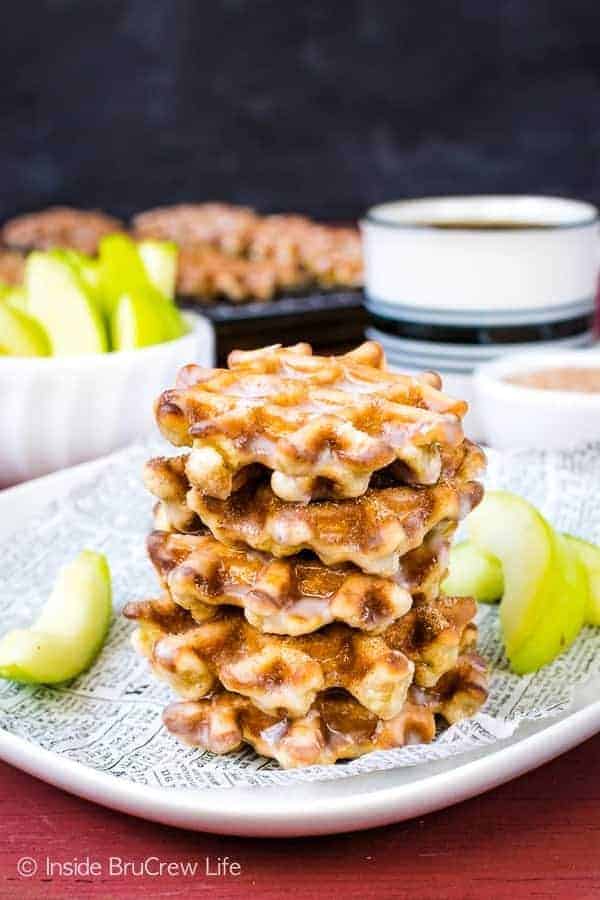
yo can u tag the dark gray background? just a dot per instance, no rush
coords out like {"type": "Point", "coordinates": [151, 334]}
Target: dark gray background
{"type": "Point", "coordinates": [318, 106]}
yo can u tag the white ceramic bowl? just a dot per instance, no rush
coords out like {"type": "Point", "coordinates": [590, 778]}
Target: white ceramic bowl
{"type": "Point", "coordinates": [59, 411]}
{"type": "Point", "coordinates": [512, 415]}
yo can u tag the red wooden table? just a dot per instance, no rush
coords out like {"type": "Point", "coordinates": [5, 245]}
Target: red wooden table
{"type": "Point", "coordinates": [537, 837]}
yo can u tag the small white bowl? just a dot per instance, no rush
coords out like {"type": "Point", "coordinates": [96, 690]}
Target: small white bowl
{"type": "Point", "coordinates": [59, 411]}
{"type": "Point", "coordinates": [516, 416]}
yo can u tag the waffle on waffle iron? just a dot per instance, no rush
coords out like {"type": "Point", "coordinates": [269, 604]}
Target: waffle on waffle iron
{"type": "Point", "coordinates": [321, 425]}
{"type": "Point", "coordinates": [280, 673]}
{"type": "Point", "coordinates": [296, 595]}
{"type": "Point", "coordinates": [336, 726]}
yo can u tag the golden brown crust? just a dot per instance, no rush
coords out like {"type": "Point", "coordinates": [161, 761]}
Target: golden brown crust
{"type": "Point", "coordinates": [60, 226]}
{"type": "Point", "coordinates": [336, 726]}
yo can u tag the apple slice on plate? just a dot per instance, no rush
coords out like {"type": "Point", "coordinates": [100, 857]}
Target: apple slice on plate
{"type": "Point", "coordinates": [473, 572]}
{"type": "Point", "coordinates": [545, 585]}
{"type": "Point", "coordinates": [70, 630]}
{"type": "Point", "coordinates": [589, 555]}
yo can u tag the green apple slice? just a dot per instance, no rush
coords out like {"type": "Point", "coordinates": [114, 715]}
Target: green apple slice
{"type": "Point", "coordinates": [20, 334]}
{"type": "Point", "coordinates": [16, 298]}
{"type": "Point", "coordinates": [87, 267]}
{"type": "Point", "coordinates": [516, 534]}
{"type": "Point", "coordinates": [67, 635]}
{"type": "Point", "coordinates": [136, 323]}
{"type": "Point", "coordinates": [123, 273]}
{"type": "Point", "coordinates": [545, 590]}
{"type": "Point", "coordinates": [564, 616]}
{"type": "Point", "coordinates": [160, 262]}
{"type": "Point", "coordinates": [121, 269]}
{"type": "Point", "coordinates": [473, 572]}
{"type": "Point", "coordinates": [589, 556]}
{"type": "Point", "coordinates": [59, 298]}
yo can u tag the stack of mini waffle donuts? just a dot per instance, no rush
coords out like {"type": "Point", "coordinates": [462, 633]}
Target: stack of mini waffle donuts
{"type": "Point", "coordinates": [300, 542]}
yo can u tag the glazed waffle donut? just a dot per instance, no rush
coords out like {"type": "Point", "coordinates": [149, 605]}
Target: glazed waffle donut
{"type": "Point", "coordinates": [220, 225]}
{"type": "Point", "coordinates": [336, 727]}
{"type": "Point", "coordinates": [207, 274]}
{"type": "Point", "coordinates": [329, 256]}
{"type": "Point", "coordinates": [290, 250]}
{"type": "Point", "coordinates": [276, 673]}
{"type": "Point", "coordinates": [290, 596]}
{"type": "Point", "coordinates": [59, 226]}
{"type": "Point", "coordinates": [286, 673]}
{"type": "Point", "coordinates": [373, 532]}
{"type": "Point", "coordinates": [12, 267]}
{"type": "Point", "coordinates": [170, 478]}
{"type": "Point", "coordinates": [322, 425]}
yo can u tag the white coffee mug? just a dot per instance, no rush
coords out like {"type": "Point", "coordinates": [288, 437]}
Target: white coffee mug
{"type": "Point", "coordinates": [482, 259]}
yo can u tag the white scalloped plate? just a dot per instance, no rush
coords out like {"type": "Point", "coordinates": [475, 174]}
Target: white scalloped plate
{"type": "Point", "coordinates": [348, 804]}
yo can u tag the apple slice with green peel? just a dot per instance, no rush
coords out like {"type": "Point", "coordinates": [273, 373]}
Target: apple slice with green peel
{"type": "Point", "coordinates": [121, 268]}
{"type": "Point", "coordinates": [59, 298]}
{"type": "Point", "coordinates": [545, 588]}
{"type": "Point", "coordinates": [564, 617]}
{"type": "Point", "coordinates": [589, 556]}
{"type": "Point", "coordinates": [516, 534]}
{"type": "Point", "coordinates": [20, 334]}
{"type": "Point", "coordinates": [136, 323]}
{"type": "Point", "coordinates": [88, 268]}
{"type": "Point", "coordinates": [160, 262]}
{"type": "Point", "coordinates": [69, 632]}
{"type": "Point", "coordinates": [123, 273]}
{"type": "Point", "coordinates": [476, 573]}
{"type": "Point", "coordinates": [473, 572]}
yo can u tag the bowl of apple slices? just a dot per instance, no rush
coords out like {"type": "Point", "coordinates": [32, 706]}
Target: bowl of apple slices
{"type": "Point", "coordinates": [86, 344]}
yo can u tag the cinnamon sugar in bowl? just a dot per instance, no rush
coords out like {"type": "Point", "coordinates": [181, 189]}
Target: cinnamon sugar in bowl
{"type": "Point", "coordinates": [578, 380]}
{"type": "Point", "coordinates": [540, 400]}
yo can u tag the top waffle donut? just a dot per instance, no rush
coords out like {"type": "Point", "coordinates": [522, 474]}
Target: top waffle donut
{"type": "Point", "coordinates": [323, 425]}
